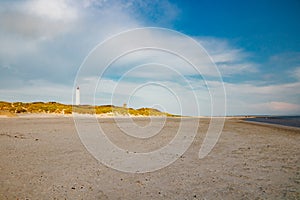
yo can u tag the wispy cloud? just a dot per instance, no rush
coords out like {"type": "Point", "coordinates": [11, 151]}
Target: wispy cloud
{"type": "Point", "coordinates": [229, 59]}
{"type": "Point", "coordinates": [281, 68]}
{"type": "Point", "coordinates": [295, 73]}
{"type": "Point", "coordinates": [283, 106]}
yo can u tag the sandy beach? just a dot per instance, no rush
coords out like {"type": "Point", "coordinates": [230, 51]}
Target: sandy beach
{"type": "Point", "coordinates": [43, 158]}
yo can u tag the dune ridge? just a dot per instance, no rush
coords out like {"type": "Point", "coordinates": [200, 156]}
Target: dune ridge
{"type": "Point", "coordinates": [12, 109]}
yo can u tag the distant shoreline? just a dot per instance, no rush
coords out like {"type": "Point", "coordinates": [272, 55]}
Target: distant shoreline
{"type": "Point", "coordinates": [279, 121]}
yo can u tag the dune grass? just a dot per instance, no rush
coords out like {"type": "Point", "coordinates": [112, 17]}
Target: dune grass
{"type": "Point", "coordinates": [58, 108]}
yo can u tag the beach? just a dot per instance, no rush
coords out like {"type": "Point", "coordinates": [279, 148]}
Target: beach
{"type": "Point", "coordinates": [44, 158]}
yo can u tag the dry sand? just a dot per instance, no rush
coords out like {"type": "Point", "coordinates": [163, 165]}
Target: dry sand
{"type": "Point", "coordinates": [43, 158]}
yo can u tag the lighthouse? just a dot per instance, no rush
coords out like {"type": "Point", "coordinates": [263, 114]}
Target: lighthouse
{"type": "Point", "coordinates": [77, 96]}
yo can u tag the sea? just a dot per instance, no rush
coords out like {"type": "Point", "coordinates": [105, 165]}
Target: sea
{"type": "Point", "coordinates": [293, 121]}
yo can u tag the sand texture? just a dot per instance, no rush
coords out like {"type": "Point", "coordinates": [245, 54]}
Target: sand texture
{"type": "Point", "coordinates": [43, 158]}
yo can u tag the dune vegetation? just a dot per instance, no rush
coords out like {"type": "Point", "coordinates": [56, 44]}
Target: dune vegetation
{"type": "Point", "coordinates": [14, 108]}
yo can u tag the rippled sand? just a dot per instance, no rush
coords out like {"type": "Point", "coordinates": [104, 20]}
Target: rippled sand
{"type": "Point", "coordinates": [43, 158]}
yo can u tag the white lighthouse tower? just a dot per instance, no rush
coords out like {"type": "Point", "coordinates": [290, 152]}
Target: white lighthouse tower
{"type": "Point", "coordinates": [77, 96]}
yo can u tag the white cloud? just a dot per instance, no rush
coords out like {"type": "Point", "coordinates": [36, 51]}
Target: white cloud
{"type": "Point", "coordinates": [296, 73]}
{"type": "Point", "coordinates": [274, 107]}
{"type": "Point", "coordinates": [171, 96]}
{"type": "Point", "coordinates": [53, 10]}
{"type": "Point", "coordinates": [37, 90]}
{"type": "Point", "coordinates": [229, 59]}
{"type": "Point", "coordinates": [276, 90]}
{"type": "Point", "coordinates": [144, 46]}
{"type": "Point", "coordinates": [37, 44]}
{"type": "Point", "coordinates": [37, 20]}
{"type": "Point", "coordinates": [283, 106]}
{"type": "Point", "coordinates": [253, 99]}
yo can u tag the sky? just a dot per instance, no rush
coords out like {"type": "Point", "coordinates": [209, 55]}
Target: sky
{"type": "Point", "coordinates": [255, 45]}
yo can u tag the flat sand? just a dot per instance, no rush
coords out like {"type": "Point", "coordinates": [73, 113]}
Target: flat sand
{"type": "Point", "coordinates": [43, 158]}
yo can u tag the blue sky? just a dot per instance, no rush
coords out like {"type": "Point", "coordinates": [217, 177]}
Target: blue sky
{"type": "Point", "coordinates": [254, 44]}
